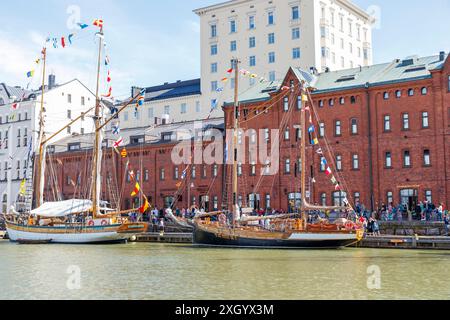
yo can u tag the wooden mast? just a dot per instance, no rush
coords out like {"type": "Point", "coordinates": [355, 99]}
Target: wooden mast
{"type": "Point", "coordinates": [303, 157]}
{"type": "Point", "coordinates": [236, 213]}
{"type": "Point", "coordinates": [97, 141]}
{"type": "Point", "coordinates": [39, 186]}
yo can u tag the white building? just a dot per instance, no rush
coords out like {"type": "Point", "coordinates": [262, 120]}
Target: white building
{"type": "Point", "coordinates": [269, 36]}
{"type": "Point", "coordinates": [19, 124]}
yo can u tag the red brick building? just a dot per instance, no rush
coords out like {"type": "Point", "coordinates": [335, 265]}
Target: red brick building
{"type": "Point", "coordinates": [388, 126]}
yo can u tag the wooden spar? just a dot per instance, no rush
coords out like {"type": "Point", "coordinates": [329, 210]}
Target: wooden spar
{"type": "Point", "coordinates": [303, 159]}
{"type": "Point", "coordinates": [235, 141]}
{"type": "Point", "coordinates": [39, 186]}
{"type": "Point", "coordinates": [96, 165]}
{"type": "Point", "coordinates": [68, 125]}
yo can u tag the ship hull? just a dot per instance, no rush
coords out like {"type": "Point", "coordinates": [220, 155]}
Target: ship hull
{"type": "Point", "coordinates": [204, 237]}
{"type": "Point", "coordinates": [67, 235]}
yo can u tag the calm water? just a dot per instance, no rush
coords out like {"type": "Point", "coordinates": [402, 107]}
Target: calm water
{"type": "Point", "coordinates": [153, 271]}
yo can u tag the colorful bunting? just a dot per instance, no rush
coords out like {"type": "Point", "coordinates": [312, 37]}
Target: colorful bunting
{"type": "Point", "coordinates": [328, 172]}
{"type": "Point", "coordinates": [98, 23]}
{"type": "Point", "coordinates": [115, 129]}
{"type": "Point", "coordinates": [22, 189]}
{"type": "Point", "coordinates": [131, 174]}
{"type": "Point", "coordinates": [118, 143]}
{"type": "Point", "coordinates": [304, 98]}
{"type": "Point", "coordinates": [70, 38]}
{"type": "Point", "coordinates": [141, 98]}
{"type": "Point", "coordinates": [30, 74]}
{"type": "Point", "coordinates": [333, 180]}
{"type": "Point", "coordinates": [108, 95]}
{"type": "Point", "coordinates": [15, 106]}
{"type": "Point", "coordinates": [311, 129]}
{"type": "Point", "coordinates": [82, 25]}
{"type": "Point", "coordinates": [55, 43]}
{"type": "Point", "coordinates": [219, 89]}
{"type": "Point", "coordinates": [63, 42]}
{"type": "Point", "coordinates": [230, 70]}
{"type": "Point", "coordinates": [337, 187]}
{"type": "Point", "coordinates": [319, 151]}
{"type": "Point", "coordinates": [108, 78]}
{"type": "Point", "coordinates": [107, 61]}
{"type": "Point", "coordinates": [324, 162]}
{"type": "Point", "coordinates": [224, 80]}
{"type": "Point", "coordinates": [213, 104]}
{"type": "Point", "coordinates": [144, 207]}
{"type": "Point", "coordinates": [124, 153]}
{"type": "Point", "coordinates": [315, 141]}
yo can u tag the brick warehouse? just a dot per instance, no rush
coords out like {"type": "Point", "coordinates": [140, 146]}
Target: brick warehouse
{"type": "Point", "coordinates": [388, 126]}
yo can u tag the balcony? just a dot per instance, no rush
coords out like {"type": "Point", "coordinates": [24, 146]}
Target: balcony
{"type": "Point", "coordinates": [324, 22]}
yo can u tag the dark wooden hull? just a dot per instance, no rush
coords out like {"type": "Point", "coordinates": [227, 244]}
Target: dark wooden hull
{"type": "Point", "coordinates": [204, 237]}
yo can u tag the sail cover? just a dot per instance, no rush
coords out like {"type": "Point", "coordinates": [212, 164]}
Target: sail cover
{"type": "Point", "coordinates": [62, 208]}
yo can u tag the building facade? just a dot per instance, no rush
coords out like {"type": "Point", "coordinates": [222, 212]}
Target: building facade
{"type": "Point", "coordinates": [19, 125]}
{"type": "Point", "coordinates": [387, 125]}
{"type": "Point", "coordinates": [270, 36]}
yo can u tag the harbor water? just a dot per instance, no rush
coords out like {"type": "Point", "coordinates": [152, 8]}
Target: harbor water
{"type": "Point", "coordinates": [180, 272]}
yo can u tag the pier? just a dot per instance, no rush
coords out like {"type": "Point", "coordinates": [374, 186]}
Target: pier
{"type": "Point", "coordinates": [406, 242]}
{"type": "Point", "coordinates": [165, 237]}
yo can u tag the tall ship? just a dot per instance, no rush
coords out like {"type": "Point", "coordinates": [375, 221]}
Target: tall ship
{"type": "Point", "coordinates": [238, 228]}
{"type": "Point", "coordinates": [73, 221]}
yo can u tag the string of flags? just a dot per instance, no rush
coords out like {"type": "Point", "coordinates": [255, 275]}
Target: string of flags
{"type": "Point", "coordinates": [65, 40]}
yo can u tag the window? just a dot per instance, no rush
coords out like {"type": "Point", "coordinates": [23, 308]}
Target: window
{"type": "Point", "coordinates": [321, 103]}
{"type": "Point", "coordinates": [296, 53]}
{"type": "Point", "coordinates": [406, 159]}
{"type": "Point", "coordinates": [295, 13]}
{"type": "Point", "coordinates": [239, 169]}
{"type": "Point", "coordinates": [321, 130]}
{"type": "Point", "coordinates": [354, 126]}
{"type": "Point", "coordinates": [150, 113]}
{"type": "Point", "coordinates": [398, 94]}
{"type": "Point", "coordinates": [214, 86]}
{"type": "Point", "coordinates": [146, 175]}
{"type": "Point", "coordinates": [295, 33]}
{"type": "Point", "coordinates": [331, 102]}
{"type": "Point", "coordinates": [342, 100]}
{"type": "Point", "coordinates": [286, 104]}
{"type": "Point", "coordinates": [287, 134]}
{"type": "Point", "coordinates": [198, 107]}
{"type": "Point", "coordinates": [162, 174]}
{"type": "Point", "coordinates": [271, 57]}
{"type": "Point", "coordinates": [429, 196]}
{"type": "Point", "coordinates": [390, 197]}
{"type": "Point", "coordinates": [323, 164]}
{"type": "Point", "coordinates": [193, 172]}
{"type": "Point", "coordinates": [233, 28]}
{"type": "Point", "coordinates": [339, 163]}
{"type": "Point", "coordinates": [215, 170]}
{"type": "Point", "coordinates": [214, 49]}
{"type": "Point", "coordinates": [405, 121]}
{"type": "Point", "coordinates": [252, 42]}
{"type": "Point", "coordinates": [357, 197]}
{"type": "Point", "coordinates": [266, 135]}
{"type": "Point", "coordinates": [425, 120]}
{"type": "Point", "coordinates": [204, 173]}
{"type": "Point", "coordinates": [287, 166]}
{"type": "Point", "coordinates": [233, 45]}
{"type": "Point", "coordinates": [424, 91]}
{"type": "Point", "coordinates": [216, 203]}
{"type": "Point", "coordinates": [268, 201]}
{"type": "Point", "coordinates": [337, 127]}
{"type": "Point", "coordinates": [69, 98]}
{"type": "Point", "coordinates": [387, 123]}
{"type": "Point", "coordinates": [251, 22]}
{"type": "Point", "coordinates": [410, 92]}
{"type": "Point", "coordinates": [82, 101]}
{"type": "Point", "coordinates": [166, 110]}
{"type": "Point", "coordinates": [448, 83]}
{"type": "Point", "coordinates": [183, 108]}
{"type": "Point", "coordinates": [272, 76]}
{"type": "Point", "coordinates": [69, 114]}
{"type": "Point", "coordinates": [271, 38]}
{"type": "Point", "coordinates": [355, 162]}
{"type": "Point", "coordinates": [252, 61]}
{"type": "Point", "coordinates": [426, 158]}
{"type": "Point", "coordinates": [352, 99]}
{"type": "Point", "coordinates": [69, 130]}
{"type": "Point", "coordinates": [338, 198]}
{"type": "Point", "coordinates": [253, 169]}
{"type": "Point", "coordinates": [388, 160]}
{"type": "Point", "coordinates": [214, 67]}
{"type": "Point", "coordinates": [299, 102]}
{"type": "Point", "coordinates": [213, 31]}
{"type": "Point", "coordinates": [270, 18]}
{"type": "Point", "coordinates": [386, 95]}
{"type": "Point", "coordinates": [323, 199]}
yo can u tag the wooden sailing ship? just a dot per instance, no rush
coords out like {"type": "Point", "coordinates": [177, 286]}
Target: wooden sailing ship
{"type": "Point", "coordinates": [284, 231]}
{"type": "Point", "coordinates": [73, 221]}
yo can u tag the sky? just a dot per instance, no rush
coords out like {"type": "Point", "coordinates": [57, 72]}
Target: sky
{"type": "Point", "coordinates": [150, 42]}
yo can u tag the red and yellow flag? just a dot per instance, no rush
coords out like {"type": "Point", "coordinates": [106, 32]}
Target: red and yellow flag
{"type": "Point", "coordinates": [136, 190]}
{"type": "Point", "coordinates": [145, 206]}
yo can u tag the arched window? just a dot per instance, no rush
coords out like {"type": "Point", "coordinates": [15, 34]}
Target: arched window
{"type": "Point", "coordinates": [424, 91]}
{"type": "Point", "coordinates": [410, 92]}
{"type": "Point", "coordinates": [352, 99]}
{"type": "Point", "coordinates": [338, 198]}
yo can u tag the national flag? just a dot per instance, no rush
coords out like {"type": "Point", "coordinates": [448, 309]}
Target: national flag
{"type": "Point", "coordinates": [30, 74]}
{"type": "Point", "coordinates": [144, 207]}
{"type": "Point", "coordinates": [22, 189]}
{"type": "Point", "coordinates": [63, 42]}
{"type": "Point", "coordinates": [108, 95]}
{"type": "Point", "coordinates": [115, 129]}
{"type": "Point", "coordinates": [333, 180]}
{"type": "Point", "coordinates": [118, 143]}
{"type": "Point", "coordinates": [124, 153]}
{"type": "Point", "coordinates": [328, 171]}
{"type": "Point", "coordinates": [70, 38]}
{"type": "Point", "coordinates": [213, 104]}
{"type": "Point", "coordinates": [136, 190]}
{"type": "Point", "coordinates": [230, 70]}
{"type": "Point", "coordinates": [98, 23]}
{"type": "Point", "coordinates": [82, 25]}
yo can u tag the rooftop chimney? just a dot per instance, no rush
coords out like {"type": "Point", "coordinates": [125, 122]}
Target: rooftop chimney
{"type": "Point", "coordinates": [51, 81]}
{"type": "Point", "coordinates": [442, 56]}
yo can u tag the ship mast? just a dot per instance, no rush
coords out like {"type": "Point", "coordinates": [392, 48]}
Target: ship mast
{"type": "Point", "coordinates": [236, 213]}
{"type": "Point", "coordinates": [303, 159]}
{"type": "Point", "coordinates": [40, 169]}
{"type": "Point", "coordinates": [96, 163]}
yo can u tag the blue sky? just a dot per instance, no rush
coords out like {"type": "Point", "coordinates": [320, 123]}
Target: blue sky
{"type": "Point", "coordinates": [151, 42]}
